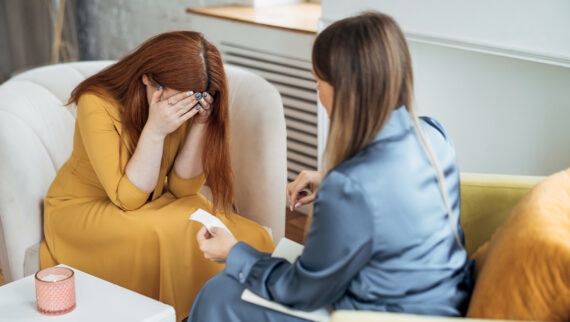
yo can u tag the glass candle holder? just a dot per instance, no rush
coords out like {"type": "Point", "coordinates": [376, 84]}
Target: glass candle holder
{"type": "Point", "coordinates": [55, 290]}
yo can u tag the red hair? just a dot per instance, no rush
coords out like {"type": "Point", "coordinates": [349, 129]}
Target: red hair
{"type": "Point", "coordinates": [183, 61]}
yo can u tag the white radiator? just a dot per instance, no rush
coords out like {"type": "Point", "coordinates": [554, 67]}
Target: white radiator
{"type": "Point", "coordinates": [293, 79]}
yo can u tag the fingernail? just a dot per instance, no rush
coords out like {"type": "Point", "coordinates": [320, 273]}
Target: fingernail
{"type": "Point", "coordinates": [189, 93]}
{"type": "Point", "coordinates": [159, 88]}
{"type": "Point", "coordinates": [205, 94]}
{"type": "Point", "coordinates": [291, 207]}
{"type": "Point", "coordinates": [198, 96]}
{"type": "Point", "coordinates": [198, 107]}
{"type": "Point", "coordinates": [297, 205]}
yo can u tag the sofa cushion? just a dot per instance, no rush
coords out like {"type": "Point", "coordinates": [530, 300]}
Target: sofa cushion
{"type": "Point", "coordinates": [487, 200]}
{"type": "Point", "coordinates": [523, 271]}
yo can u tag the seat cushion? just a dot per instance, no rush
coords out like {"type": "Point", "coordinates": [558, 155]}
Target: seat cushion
{"type": "Point", "coordinates": [523, 271]}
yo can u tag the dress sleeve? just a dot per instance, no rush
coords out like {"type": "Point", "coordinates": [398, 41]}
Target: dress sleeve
{"type": "Point", "coordinates": [99, 125]}
{"type": "Point", "coordinates": [338, 246]}
{"type": "Point", "coordinates": [185, 187]}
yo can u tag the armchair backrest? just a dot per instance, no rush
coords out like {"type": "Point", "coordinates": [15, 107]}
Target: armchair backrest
{"type": "Point", "coordinates": [258, 148]}
{"type": "Point", "coordinates": [487, 200]}
{"type": "Point", "coordinates": [36, 133]}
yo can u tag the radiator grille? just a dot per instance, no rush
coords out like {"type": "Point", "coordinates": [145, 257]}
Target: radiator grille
{"type": "Point", "coordinates": [292, 78]}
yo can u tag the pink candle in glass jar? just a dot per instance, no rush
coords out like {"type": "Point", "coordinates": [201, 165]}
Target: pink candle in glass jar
{"type": "Point", "coordinates": [55, 290]}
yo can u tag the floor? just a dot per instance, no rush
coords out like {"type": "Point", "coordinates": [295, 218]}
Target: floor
{"type": "Point", "coordinates": [295, 225]}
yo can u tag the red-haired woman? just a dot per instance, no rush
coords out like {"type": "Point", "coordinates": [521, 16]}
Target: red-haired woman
{"type": "Point", "coordinates": [151, 129]}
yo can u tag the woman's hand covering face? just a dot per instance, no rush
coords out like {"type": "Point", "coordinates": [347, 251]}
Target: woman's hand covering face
{"type": "Point", "coordinates": [167, 115]}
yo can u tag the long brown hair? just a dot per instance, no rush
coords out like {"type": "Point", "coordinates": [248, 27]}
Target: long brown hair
{"type": "Point", "coordinates": [366, 60]}
{"type": "Point", "coordinates": [183, 61]}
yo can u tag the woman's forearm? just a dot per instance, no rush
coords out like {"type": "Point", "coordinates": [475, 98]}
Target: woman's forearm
{"type": "Point", "coordinates": [143, 168]}
{"type": "Point", "coordinates": [188, 163]}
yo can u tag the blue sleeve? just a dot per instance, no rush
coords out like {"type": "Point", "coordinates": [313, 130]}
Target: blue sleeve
{"type": "Point", "coordinates": [338, 246]}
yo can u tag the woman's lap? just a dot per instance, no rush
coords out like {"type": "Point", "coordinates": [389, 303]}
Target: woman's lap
{"type": "Point", "coordinates": [220, 300]}
{"type": "Point", "coordinates": [152, 251]}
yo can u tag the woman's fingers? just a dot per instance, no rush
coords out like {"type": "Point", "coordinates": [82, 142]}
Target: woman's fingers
{"type": "Point", "coordinates": [157, 94]}
{"type": "Point", "coordinates": [302, 190]}
{"type": "Point", "coordinates": [190, 98]}
{"type": "Point", "coordinates": [204, 107]}
{"type": "Point", "coordinates": [296, 191]}
{"type": "Point", "coordinates": [188, 104]}
{"type": "Point", "coordinates": [180, 100]}
{"type": "Point", "coordinates": [206, 100]}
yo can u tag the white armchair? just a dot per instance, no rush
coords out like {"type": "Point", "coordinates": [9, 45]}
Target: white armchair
{"type": "Point", "coordinates": [36, 132]}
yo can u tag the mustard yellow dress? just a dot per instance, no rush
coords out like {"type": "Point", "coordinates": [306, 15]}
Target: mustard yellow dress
{"type": "Point", "coordinates": [97, 221]}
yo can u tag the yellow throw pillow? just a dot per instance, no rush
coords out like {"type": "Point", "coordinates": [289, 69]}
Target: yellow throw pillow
{"type": "Point", "coordinates": [523, 271]}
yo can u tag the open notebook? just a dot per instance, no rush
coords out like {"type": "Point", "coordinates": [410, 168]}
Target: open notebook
{"type": "Point", "coordinates": [289, 250]}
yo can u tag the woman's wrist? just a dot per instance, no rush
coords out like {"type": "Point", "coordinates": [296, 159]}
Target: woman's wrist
{"type": "Point", "coordinates": [197, 131]}
{"type": "Point", "coordinates": [152, 135]}
{"type": "Point", "coordinates": [199, 126]}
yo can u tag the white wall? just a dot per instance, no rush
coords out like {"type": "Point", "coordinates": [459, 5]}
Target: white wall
{"type": "Point", "coordinates": [505, 115]}
{"type": "Point", "coordinates": [527, 27]}
{"type": "Point", "coordinates": [496, 73]}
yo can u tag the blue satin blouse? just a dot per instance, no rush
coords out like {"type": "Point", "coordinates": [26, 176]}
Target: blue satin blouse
{"type": "Point", "coordinates": [380, 237]}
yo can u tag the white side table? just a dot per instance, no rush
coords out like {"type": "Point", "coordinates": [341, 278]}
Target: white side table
{"type": "Point", "coordinates": [97, 300]}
